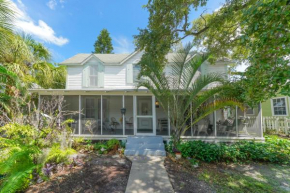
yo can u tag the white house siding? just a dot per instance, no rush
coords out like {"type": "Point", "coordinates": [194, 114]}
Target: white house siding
{"type": "Point", "coordinates": [115, 76]}
{"type": "Point", "coordinates": [74, 77]}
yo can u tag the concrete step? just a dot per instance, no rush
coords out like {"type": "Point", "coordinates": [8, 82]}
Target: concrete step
{"type": "Point", "coordinates": [144, 145]}
{"type": "Point", "coordinates": [146, 139]}
{"type": "Point", "coordinates": [147, 152]}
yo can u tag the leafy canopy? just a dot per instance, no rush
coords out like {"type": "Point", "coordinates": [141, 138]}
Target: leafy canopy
{"type": "Point", "coordinates": [256, 32]}
{"type": "Point", "coordinates": [103, 44]}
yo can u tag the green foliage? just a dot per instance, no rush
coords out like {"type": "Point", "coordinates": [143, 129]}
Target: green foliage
{"type": "Point", "coordinates": [17, 164]}
{"type": "Point", "coordinates": [14, 131]}
{"type": "Point", "coordinates": [78, 143]}
{"type": "Point", "coordinates": [113, 144]}
{"type": "Point", "coordinates": [234, 31]}
{"type": "Point", "coordinates": [101, 148]}
{"type": "Point", "coordinates": [57, 155]}
{"type": "Point", "coordinates": [103, 44]}
{"type": "Point", "coordinates": [274, 150]}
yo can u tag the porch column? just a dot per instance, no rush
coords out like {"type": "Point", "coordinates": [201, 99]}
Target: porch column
{"type": "Point", "coordinates": [123, 106]}
{"type": "Point", "coordinates": [237, 131]}
{"type": "Point", "coordinates": [261, 118]}
{"type": "Point", "coordinates": [191, 119]}
{"type": "Point", "coordinates": [154, 114]}
{"type": "Point", "coordinates": [101, 115]}
{"type": "Point", "coordinates": [168, 121]}
{"type": "Point", "coordinates": [135, 114]}
{"type": "Point", "coordinates": [80, 119]}
{"type": "Point", "coordinates": [214, 124]}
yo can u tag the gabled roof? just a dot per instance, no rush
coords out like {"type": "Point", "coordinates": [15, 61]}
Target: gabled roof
{"type": "Point", "coordinates": [119, 59]}
{"type": "Point", "coordinates": [105, 58]}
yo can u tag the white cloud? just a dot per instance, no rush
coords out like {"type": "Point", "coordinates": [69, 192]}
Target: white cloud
{"type": "Point", "coordinates": [123, 45]}
{"type": "Point", "coordinates": [51, 4]}
{"type": "Point", "coordinates": [39, 30]}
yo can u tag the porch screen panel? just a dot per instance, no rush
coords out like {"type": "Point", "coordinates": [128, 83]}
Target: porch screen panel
{"type": "Point", "coordinates": [249, 122]}
{"type": "Point", "coordinates": [129, 118]}
{"type": "Point", "coordinates": [112, 116]}
{"type": "Point", "coordinates": [204, 127]}
{"type": "Point", "coordinates": [226, 122]}
{"type": "Point", "coordinates": [71, 111]}
{"type": "Point", "coordinates": [91, 115]}
{"type": "Point", "coordinates": [162, 124]}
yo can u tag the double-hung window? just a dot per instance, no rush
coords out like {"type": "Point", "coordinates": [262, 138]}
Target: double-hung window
{"type": "Point", "coordinates": [279, 106]}
{"type": "Point", "coordinates": [93, 76]}
{"type": "Point", "coordinates": [136, 71]}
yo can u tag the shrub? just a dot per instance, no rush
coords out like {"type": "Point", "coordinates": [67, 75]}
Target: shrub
{"type": "Point", "coordinates": [113, 144]}
{"type": "Point", "coordinates": [207, 152]}
{"type": "Point", "coordinates": [102, 148]}
{"type": "Point", "coordinates": [57, 155]}
{"type": "Point", "coordinates": [78, 143]}
{"type": "Point", "coordinates": [18, 165]}
{"type": "Point", "coordinates": [274, 150]}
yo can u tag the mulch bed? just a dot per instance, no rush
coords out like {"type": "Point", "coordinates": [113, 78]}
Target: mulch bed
{"type": "Point", "coordinates": [183, 179]}
{"type": "Point", "coordinates": [97, 174]}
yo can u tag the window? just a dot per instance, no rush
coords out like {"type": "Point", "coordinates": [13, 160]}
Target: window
{"type": "Point", "coordinates": [93, 76]}
{"type": "Point", "coordinates": [136, 71]}
{"type": "Point", "coordinates": [279, 106]}
{"type": "Point", "coordinates": [250, 110]}
{"type": "Point", "coordinates": [90, 108]}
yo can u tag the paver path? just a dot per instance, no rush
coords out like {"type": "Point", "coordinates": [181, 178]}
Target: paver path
{"type": "Point", "coordinates": [148, 174]}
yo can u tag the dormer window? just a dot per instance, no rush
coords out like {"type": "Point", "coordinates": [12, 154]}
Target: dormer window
{"type": "Point", "coordinates": [93, 76]}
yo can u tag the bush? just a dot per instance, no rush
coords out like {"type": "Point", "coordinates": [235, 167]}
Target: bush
{"type": "Point", "coordinates": [113, 144]}
{"type": "Point", "coordinates": [17, 164]}
{"type": "Point", "coordinates": [57, 155]}
{"type": "Point", "coordinates": [274, 150]}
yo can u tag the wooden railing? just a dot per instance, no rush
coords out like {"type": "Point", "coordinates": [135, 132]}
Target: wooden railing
{"type": "Point", "coordinates": [279, 124]}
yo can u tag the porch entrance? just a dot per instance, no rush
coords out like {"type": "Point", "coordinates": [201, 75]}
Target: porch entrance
{"type": "Point", "coordinates": [144, 115]}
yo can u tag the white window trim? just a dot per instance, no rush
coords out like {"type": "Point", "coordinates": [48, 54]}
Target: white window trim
{"type": "Point", "coordinates": [96, 76]}
{"type": "Point", "coordinates": [272, 107]}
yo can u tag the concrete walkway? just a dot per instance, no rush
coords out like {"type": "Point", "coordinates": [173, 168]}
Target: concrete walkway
{"type": "Point", "coordinates": [148, 175]}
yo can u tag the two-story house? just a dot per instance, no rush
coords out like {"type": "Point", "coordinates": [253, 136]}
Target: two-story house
{"type": "Point", "coordinates": [102, 88]}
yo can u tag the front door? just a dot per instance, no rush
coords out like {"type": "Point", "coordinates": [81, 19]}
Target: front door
{"type": "Point", "coordinates": [144, 115]}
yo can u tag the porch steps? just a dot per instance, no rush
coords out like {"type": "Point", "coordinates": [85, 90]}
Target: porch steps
{"type": "Point", "coordinates": [145, 145]}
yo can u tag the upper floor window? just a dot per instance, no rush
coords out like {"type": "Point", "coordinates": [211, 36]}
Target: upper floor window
{"type": "Point", "coordinates": [136, 71]}
{"type": "Point", "coordinates": [279, 106]}
{"type": "Point", "coordinates": [93, 76]}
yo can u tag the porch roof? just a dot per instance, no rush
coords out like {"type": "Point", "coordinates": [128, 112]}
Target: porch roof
{"type": "Point", "coordinates": [103, 91]}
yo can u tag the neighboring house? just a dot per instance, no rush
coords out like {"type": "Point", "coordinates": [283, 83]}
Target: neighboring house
{"type": "Point", "coordinates": [278, 106]}
{"type": "Point", "coordinates": [102, 88]}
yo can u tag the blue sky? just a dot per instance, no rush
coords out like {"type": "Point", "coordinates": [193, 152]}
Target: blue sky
{"type": "Point", "coordinates": [68, 27]}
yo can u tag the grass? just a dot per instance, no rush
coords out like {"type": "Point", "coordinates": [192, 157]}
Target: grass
{"type": "Point", "coordinates": [236, 182]}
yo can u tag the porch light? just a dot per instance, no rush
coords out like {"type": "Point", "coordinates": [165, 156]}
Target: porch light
{"type": "Point", "coordinates": [123, 111]}
{"type": "Point", "coordinates": [157, 104]}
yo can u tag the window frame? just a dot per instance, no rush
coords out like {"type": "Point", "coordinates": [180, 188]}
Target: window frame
{"type": "Point", "coordinates": [272, 106]}
{"type": "Point", "coordinates": [95, 76]}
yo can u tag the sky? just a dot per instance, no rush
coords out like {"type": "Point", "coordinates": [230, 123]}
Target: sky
{"type": "Point", "coordinates": [69, 27]}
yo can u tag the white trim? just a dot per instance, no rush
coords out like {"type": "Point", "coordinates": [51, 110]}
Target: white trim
{"type": "Point", "coordinates": [80, 118]}
{"type": "Point", "coordinates": [134, 114]}
{"type": "Point", "coordinates": [101, 115]}
{"type": "Point", "coordinates": [130, 56]}
{"type": "Point", "coordinates": [123, 99]}
{"type": "Point", "coordinates": [272, 106]}
{"type": "Point", "coordinates": [154, 114]}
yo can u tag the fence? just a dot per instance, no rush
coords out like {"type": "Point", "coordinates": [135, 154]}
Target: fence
{"type": "Point", "coordinates": [279, 124]}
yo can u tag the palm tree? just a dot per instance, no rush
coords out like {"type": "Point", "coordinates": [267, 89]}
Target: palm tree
{"type": "Point", "coordinates": [7, 16]}
{"type": "Point", "coordinates": [183, 93]}
{"type": "Point", "coordinates": [9, 84]}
